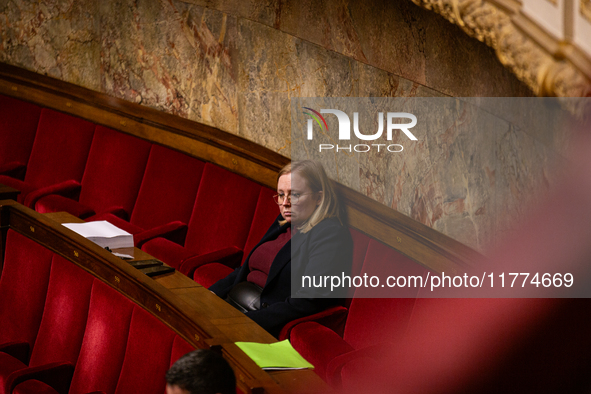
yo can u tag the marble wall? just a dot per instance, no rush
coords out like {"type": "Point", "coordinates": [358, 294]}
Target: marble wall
{"type": "Point", "coordinates": [236, 65]}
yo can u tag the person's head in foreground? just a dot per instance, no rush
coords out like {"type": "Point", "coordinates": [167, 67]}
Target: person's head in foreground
{"type": "Point", "coordinates": [201, 372]}
{"type": "Point", "coordinates": [305, 194]}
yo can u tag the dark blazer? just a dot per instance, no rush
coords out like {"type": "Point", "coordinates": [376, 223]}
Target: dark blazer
{"type": "Point", "coordinates": [324, 250]}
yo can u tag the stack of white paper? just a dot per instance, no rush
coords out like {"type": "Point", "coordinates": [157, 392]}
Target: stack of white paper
{"type": "Point", "coordinates": [103, 234]}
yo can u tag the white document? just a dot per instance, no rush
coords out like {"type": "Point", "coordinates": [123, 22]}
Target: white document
{"type": "Point", "coordinates": [103, 234]}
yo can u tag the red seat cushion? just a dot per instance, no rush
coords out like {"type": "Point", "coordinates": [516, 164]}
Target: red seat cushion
{"type": "Point", "coordinates": [170, 183]}
{"type": "Point", "coordinates": [371, 322]}
{"type": "Point", "coordinates": [170, 252]}
{"type": "Point", "coordinates": [117, 221]}
{"type": "Point", "coordinates": [57, 203]}
{"type": "Point", "coordinates": [318, 344]}
{"type": "Point", "coordinates": [208, 274]}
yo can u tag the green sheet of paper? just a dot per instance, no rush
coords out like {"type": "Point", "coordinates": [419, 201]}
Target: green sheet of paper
{"type": "Point", "coordinates": [278, 355]}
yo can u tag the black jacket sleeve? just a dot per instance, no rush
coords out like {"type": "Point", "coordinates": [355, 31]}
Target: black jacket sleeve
{"type": "Point", "coordinates": [325, 251]}
{"type": "Point", "coordinates": [223, 286]}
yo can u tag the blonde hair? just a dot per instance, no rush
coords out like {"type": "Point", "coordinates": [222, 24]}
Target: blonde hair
{"type": "Point", "coordinates": [315, 176]}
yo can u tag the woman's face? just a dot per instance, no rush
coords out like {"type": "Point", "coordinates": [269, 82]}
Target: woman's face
{"type": "Point", "coordinates": [296, 186]}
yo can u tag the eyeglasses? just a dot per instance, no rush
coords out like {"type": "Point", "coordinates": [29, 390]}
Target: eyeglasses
{"type": "Point", "coordinates": [293, 198]}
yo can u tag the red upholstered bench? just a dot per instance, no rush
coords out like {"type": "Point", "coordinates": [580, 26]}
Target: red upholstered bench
{"type": "Point", "coordinates": [151, 191]}
{"type": "Point", "coordinates": [166, 197]}
{"type": "Point", "coordinates": [335, 317]}
{"type": "Point", "coordinates": [266, 212]}
{"type": "Point", "coordinates": [112, 178]}
{"type": "Point", "coordinates": [219, 224]}
{"type": "Point", "coordinates": [370, 323]}
{"type": "Point", "coordinates": [85, 336]}
{"type": "Point", "coordinates": [56, 348]}
{"type": "Point", "coordinates": [57, 159]}
{"type": "Point", "coordinates": [23, 288]}
{"type": "Point", "coordinates": [18, 126]}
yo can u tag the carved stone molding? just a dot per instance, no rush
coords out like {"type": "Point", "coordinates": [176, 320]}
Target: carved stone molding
{"type": "Point", "coordinates": [545, 74]}
{"type": "Point", "coordinates": [585, 8]}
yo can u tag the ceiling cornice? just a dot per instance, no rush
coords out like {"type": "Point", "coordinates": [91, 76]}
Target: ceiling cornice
{"type": "Point", "coordinates": [549, 67]}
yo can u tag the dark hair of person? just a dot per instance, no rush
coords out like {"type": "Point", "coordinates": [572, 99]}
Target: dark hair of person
{"type": "Point", "coordinates": [202, 372]}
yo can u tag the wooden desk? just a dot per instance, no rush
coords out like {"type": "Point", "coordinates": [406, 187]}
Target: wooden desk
{"type": "Point", "coordinates": [8, 193]}
{"type": "Point", "coordinates": [231, 324]}
{"type": "Point", "coordinates": [170, 281]}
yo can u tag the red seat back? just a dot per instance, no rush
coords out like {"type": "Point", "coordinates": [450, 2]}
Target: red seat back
{"type": "Point", "coordinates": [360, 244]}
{"type": "Point", "coordinates": [64, 315]}
{"type": "Point", "coordinates": [18, 126]}
{"type": "Point", "coordinates": [223, 211]}
{"type": "Point", "coordinates": [375, 320]}
{"type": "Point", "coordinates": [147, 356]}
{"type": "Point", "coordinates": [23, 287]}
{"type": "Point", "coordinates": [180, 347]}
{"type": "Point", "coordinates": [60, 149]}
{"type": "Point", "coordinates": [105, 340]}
{"type": "Point", "coordinates": [265, 213]}
{"type": "Point", "coordinates": [114, 171]}
{"type": "Point", "coordinates": [168, 189]}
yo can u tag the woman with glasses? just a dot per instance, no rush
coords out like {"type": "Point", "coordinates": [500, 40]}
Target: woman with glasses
{"type": "Point", "coordinates": [307, 240]}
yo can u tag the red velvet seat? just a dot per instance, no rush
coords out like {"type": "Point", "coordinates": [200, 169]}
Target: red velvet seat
{"type": "Point", "coordinates": [89, 332]}
{"type": "Point", "coordinates": [334, 318]}
{"type": "Point", "coordinates": [23, 289]}
{"type": "Point", "coordinates": [219, 225]}
{"type": "Point", "coordinates": [58, 342]}
{"type": "Point", "coordinates": [266, 212]}
{"type": "Point", "coordinates": [57, 159]}
{"type": "Point", "coordinates": [147, 355]}
{"type": "Point", "coordinates": [165, 199]}
{"type": "Point", "coordinates": [18, 126]}
{"type": "Point", "coordinates": [371, 322]}
{"type": "Point", "coordinates": [112, 177]}
{"type": "Point", "coordinates": [105, 339]}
